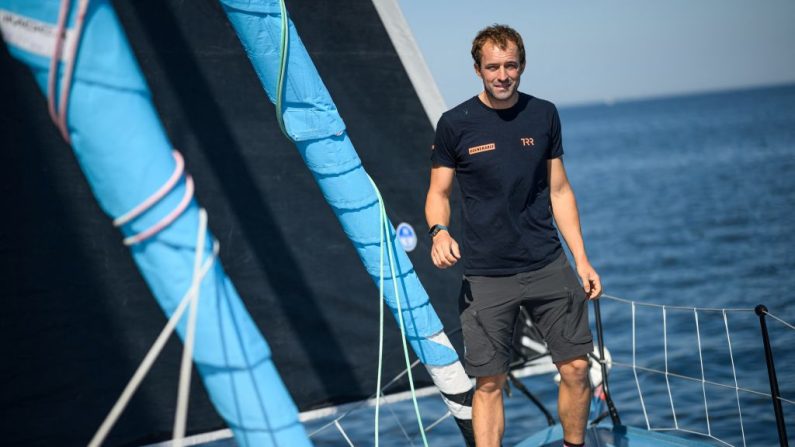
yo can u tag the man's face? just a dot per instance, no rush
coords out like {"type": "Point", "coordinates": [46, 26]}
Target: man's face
{"type": "Point", "coordinates": [500, 71]}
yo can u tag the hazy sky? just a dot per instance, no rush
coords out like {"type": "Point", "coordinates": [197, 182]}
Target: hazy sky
{"type": "Point", "coordinates": [581, 51]}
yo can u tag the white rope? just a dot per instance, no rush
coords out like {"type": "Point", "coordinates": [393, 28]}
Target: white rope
{"type": "Point", "coordinates": [694, 432]}
{"type": "Point", "coordinates": [703, 377]}
{"type": "Point", "coordinates": [667, 373]}
{"type": "Point", "coordinates": [734, 374]}
{"type": "Point", "coordinates": [635, 370]}
{"type": "Point", "coordinates": [668, 382]}
{"type": "Point", "coordinates": [149, 359]}
{"type": "Point", "coordinates": [400, 425]}
{"type": "Point", "coordinates": [364, 402]}
{"type": "Point", "coordinates": [181, 414]}
{"type": "Point", "coordinates": [342, 431]}
{"type": "Point", "coordinates": [438, 421]}
{"type": "Point", "coordinates": [693, 379]}
{"type": "Point", "coordinates": [700, 309]}
{"type": "Point", "coordinates": [780, 320]}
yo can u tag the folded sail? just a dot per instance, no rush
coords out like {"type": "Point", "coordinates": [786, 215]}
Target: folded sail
{"type": "Point", "coordinates": [311, 120]}
{"type": "Point", "coordinates": [290, 260]}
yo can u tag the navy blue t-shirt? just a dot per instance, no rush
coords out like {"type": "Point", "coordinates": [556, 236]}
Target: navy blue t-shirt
{"type": "Point", "coordinates": [500, 159]}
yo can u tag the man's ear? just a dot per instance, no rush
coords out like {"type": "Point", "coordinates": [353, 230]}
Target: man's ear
{"type": "Point", "coordinates": [477, 71]}
{"type": "Point", "coordinates": [521, 68]}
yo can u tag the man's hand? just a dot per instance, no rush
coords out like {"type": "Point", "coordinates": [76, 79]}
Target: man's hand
{"type": "Point", "coordinates": [445, 250]}
{"type": "Point", "coordinates": [590, 280]}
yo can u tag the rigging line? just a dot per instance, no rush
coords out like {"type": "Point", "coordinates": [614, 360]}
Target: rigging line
{"type": "Point", "coordinates": [392, 263]}
{"type": "Point", "coordinates": [66, 81]}
{"type": "Point", "coordinates": [635, 371]}
{"type": "Point", "coordinates": [400, 425]}
{"type": "Point", "coordinates": [149, 359]}
{"type": "Point", "coordinates": [438, 421]}
{"type": "Point", "coordinates": [791, 402]}
{"type": "Point", "coordinates": [60, 32]}
{"type": "Point", "coordinates": [179, 168]}
{"type": "Point", "coordinates": [779, 320]}
{"type": "Point", "coordinates": [721, 441]}
{"type": "Point", "coordinates": [703, 377]}
{"type": "Point", "coordinates": [158, 195]}
{"type": "Point", "coordinates": [284, 46]}
{"type": "Point", "coordinates": [59, 116]}
{"type": "Point", "coordinates": [400, 375]}
{"type": "Point", "coordinates": [362, 403]}
{"type": "Point", "coordinates": [693, 379]}
{"type": "Point", "coordinates": [183, 394]}
{"type": "Point", "coordinates": [700, 309]}
{"type": "Point", "coordinates": [668, 382]}
{"type": "Point", "coordinates": [168, 219]}
{"type": "Point", "coordinates": [694, 432]}
{"type": "Point", "coordinates": [380, 330]}
{"type": "Point", "coordinates": [734, 374]}
{"type": "Point", "coordinates": [342, 432]}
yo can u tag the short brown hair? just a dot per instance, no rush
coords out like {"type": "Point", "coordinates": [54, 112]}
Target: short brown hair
{"type": "Point", "coordinates": [500, 35]}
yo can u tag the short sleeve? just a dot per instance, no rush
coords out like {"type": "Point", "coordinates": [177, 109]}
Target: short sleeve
{"type": "Point", "coordinates": [555, 139]}
{"type": "Point", "coordinates": [443, 149]}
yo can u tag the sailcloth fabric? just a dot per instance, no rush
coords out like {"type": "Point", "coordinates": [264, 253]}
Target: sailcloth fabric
{"type": "Point", "coordinates": [311, 120]}
{"type": "Point", "coordinates": [313, 123]}
{"type": "Point", "coordinates": [125, 154]}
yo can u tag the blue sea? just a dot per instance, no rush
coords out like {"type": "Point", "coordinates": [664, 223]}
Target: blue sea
{"type": "Point", "coordinates": [685, 202]}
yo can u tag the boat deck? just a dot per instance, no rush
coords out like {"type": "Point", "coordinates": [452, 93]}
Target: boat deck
{"type": "Point", "coordinates": [609, 436]}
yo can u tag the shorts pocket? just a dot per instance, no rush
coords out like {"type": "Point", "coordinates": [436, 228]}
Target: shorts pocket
{"type": "Point", "coordinates": [478, 347]}
{"type": "Point", "coordinates": [576, 328]}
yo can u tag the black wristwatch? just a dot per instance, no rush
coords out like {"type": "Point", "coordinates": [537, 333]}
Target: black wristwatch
{"type": "Point", "coordinates": [436, 229]}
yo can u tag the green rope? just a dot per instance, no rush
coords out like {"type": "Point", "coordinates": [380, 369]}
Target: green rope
{"type": "Point", "coordinates": [380, 324]}
{"type": "Point", "coordinates": [283, 47]}
{"type": "Point", "coordinates": [385, 227]}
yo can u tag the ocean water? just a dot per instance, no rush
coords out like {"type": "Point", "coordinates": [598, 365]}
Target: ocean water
{"type": "Point", "coordinates": [685, 201]}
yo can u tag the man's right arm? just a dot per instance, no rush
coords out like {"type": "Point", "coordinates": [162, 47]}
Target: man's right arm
{"type": "Point", "coordinates": [445, 252]}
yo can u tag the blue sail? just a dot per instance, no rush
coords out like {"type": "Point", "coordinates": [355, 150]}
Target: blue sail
{"type": "Point", "coordinates": [312, 121]}
{"type": "Point", "coordinates": [125, 154]}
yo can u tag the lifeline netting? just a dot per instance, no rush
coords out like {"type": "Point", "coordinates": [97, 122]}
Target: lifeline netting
{"type": "Point", "coordinates": [688, 362]}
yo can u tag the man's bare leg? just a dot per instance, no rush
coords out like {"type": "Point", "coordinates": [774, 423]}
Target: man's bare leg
{"type": "Point", "coordinates": [488, 420]}
{"type": "Point", "coordinates": [574, 398]}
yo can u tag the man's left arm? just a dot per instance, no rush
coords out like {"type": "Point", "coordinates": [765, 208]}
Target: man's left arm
{"type": "Point", "coordinates": [564, 210]}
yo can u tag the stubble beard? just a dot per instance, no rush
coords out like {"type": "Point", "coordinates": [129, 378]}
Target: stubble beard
{"type": "Point", "coordinates": [506, 96]}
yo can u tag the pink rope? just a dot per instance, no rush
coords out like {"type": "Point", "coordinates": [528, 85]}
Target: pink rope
{"type": "Point", "coordinates": [66, 82]}
{"type": "Point", "coordinates": [168, 219]}
{"type": "Point", "coordinates": [159, 194]}
{"type": "Point", "coordinates": [59, 117]}
{"type": "Point", "coordinates": [60, 32]}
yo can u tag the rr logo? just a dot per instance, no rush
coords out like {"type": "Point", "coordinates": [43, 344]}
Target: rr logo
{"type": "Point", "coordinates": [527, 142]}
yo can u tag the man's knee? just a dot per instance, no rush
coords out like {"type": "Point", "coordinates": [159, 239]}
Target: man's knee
{"type": "Point", "coordinates": [490, 384]}
{"type": "Point", "coordinates": [574, 371]}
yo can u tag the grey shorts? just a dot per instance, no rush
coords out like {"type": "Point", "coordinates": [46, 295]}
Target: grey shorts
{"type": "Point", "coordinates": [489, 305]}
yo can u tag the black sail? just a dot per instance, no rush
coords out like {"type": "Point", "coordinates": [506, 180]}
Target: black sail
{"type": "Point", "coordinates": [78, 317]}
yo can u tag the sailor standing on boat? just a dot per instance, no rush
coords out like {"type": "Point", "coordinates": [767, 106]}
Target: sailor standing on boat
{"type": "Point", "coordinates": [505, 148]}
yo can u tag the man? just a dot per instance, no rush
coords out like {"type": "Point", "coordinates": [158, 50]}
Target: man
{"type": "Point", "coordinates": [505, 148]}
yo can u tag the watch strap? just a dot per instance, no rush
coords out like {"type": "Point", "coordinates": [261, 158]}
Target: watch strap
{"type": "Point", "coordinates": [436, 229]}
